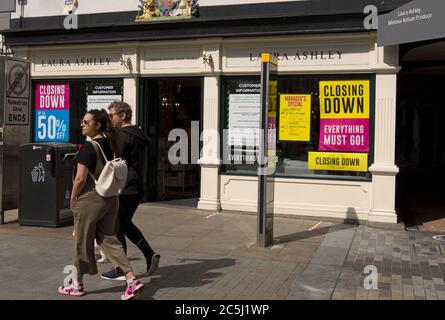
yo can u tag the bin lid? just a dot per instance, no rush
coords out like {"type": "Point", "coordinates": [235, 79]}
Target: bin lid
{"type": "Point", "coordinates": [45, 146]}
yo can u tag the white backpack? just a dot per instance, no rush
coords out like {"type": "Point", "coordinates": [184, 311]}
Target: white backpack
{"type": "Point", "coordinates": [113, 177]}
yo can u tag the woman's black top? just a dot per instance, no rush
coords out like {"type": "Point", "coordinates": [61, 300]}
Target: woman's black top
{"type": "Point", "coordinates": [87, 154]}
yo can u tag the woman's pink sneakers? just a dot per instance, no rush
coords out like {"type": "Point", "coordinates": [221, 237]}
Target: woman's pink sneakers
{"type": "Point", "coordinates": [72, 290]}
{"type": "Point", "coordinates": [133, 289]}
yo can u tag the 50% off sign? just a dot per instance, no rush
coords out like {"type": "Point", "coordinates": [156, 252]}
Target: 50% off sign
{"type": "Point", "coordinates": [52, 126]}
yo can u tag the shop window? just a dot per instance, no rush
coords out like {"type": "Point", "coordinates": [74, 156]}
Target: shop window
{"type": "Point", "coordinates": [59, 105]}
{"type": "Point", "coordinates": [326, 134]}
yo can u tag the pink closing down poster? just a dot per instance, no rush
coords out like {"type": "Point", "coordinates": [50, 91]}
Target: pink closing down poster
{"type": "Point", "coordinates": [53, 97]}
{"type": "Point", "coordinates": [351, 135]}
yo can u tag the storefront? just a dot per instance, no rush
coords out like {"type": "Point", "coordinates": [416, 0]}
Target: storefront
{"type": "Point", "coordinates": [300, 189]}
{"type": "Point", "coordinates": [304, 63]}
{"type": "Point", "coordinates": [68, 83]}
{"type": "Point", "coordinates": [339, 163]}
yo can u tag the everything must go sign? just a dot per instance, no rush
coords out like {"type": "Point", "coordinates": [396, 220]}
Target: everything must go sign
{"type": "Point", "coordinates": [344, 115]}
{"type": "Point", "coordinates": [344, 126]}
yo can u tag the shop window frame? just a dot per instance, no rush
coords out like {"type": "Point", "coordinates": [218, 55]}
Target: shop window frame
{"type": "Point", "coordinates": [34, 82]}
{"type": "Point", "coordinates": [323, 77]}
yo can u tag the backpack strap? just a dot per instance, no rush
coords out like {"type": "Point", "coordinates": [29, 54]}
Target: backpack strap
{"type": "Point", "coordinates": [98, 168]}
{"type": "Point", "coordinates": [97, 145]}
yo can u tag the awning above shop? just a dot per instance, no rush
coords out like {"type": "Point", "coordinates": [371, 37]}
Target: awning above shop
{"type": "Point", "coordinates": [278, 18]}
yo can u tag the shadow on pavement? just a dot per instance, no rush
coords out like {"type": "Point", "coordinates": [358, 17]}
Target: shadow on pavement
{"type": "Point", "coordinates": [351, 222]}
{"type": "Point", "coordinates": [178, 276]}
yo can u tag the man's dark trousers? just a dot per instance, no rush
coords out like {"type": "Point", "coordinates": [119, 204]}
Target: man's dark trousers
{"type": "Point", "coordinates": [128, 204]}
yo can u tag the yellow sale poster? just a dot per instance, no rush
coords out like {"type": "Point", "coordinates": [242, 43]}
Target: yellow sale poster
{"type": "Point", "coordinates": [295, 117]}
{"type": "Point", "coordinates": [338, 161]}
{"type": "Point", "coordinates": [344, 99]}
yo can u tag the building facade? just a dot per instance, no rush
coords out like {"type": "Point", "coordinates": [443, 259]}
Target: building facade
{"type": "Point", "coordinates": [175, 72]}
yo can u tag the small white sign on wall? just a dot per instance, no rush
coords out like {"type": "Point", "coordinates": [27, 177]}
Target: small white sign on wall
{"type": "Point", "coordinates": [101, 102]}
{"type": "Point", "coordinates": [172, 58]}
{"type": "Point", "coordinates": [17, 111]}
{"type": "Point", "coordinates": [100, 94]}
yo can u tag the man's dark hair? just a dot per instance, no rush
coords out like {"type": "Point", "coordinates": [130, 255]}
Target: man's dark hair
{"type": "Point", "coordinates": [122, 107]}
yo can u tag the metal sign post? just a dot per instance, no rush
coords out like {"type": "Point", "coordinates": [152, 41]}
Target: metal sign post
{"type": "Point", "coordinates": [267, 148]}
{"type": "Point", "coordinates": [15, 94]}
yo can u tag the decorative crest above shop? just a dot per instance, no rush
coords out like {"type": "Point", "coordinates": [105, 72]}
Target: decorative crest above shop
{"type": "Point", "coordinates": [156, 10]}
{"type": "Point", "coordinates": [71, 5]}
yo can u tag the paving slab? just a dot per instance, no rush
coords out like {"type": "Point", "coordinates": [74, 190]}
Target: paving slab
{"type": "Point", "coordinates": [209, 255]}
{"type": "Point", "coordinates": [316, 283]}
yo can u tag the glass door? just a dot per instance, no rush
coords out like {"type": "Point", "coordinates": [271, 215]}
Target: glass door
{"type": "Point", "coordinates": [168, 104]}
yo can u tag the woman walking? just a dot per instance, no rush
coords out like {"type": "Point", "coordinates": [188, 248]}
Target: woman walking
{"type": "Point", "coordinates": [95, 216]}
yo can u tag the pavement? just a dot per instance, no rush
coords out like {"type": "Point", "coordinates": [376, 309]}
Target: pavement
{"type": "Point", "coordinates": [213, 256]}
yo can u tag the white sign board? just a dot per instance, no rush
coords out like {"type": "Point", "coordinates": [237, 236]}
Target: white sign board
{"type": "Point", "coordinates": [17, 92]}
{"type": "Point", "coordinates": [244, 119]}
{"type": "Point", "coordinates": [101, 102]}
{"type": "Point", "coordinates": [100, 94]}
{"type": "Point", "coordinates": [17, 111]}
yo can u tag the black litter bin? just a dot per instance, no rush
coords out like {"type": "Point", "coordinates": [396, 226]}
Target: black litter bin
{"type": "Point", "coordinates": [45, 183]}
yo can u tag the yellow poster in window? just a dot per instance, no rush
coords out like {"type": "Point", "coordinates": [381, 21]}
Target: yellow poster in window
{"type": "Point", "coordinates": [295, 117]}
{"type": "Point", "coordinates": [338, 161]}
{"type": "Point", "coordinates": [344, 99]}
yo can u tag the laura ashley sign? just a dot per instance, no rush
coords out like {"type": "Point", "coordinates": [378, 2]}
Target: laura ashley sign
{"type": "Point", "coordinates": [304, 55]}
{"type": "Point", "coordinates": [75, 61]}
{"type": "Point", "coordinates": [47, 63]}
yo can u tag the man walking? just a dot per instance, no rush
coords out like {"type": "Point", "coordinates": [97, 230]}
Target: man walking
{"type": "Point", "coordinates": [132, 142]}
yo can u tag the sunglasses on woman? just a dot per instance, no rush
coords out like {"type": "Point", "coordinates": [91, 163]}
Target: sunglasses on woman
{"type": "Point", "coordinates": [85, 122]}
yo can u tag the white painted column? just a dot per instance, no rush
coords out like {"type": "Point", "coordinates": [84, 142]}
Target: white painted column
{"type": "Point", "coordinates": [130, 95]}
{"type": "Point", "coordinates": [384, 169]}
{"type": "Point", "coordinates": [130, 66]}
{"type": "Point", "coordinates": [210, 158]}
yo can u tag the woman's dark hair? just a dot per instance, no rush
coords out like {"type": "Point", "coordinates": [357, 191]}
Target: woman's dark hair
{"type": "Point", "coordinates": [101, 117]}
